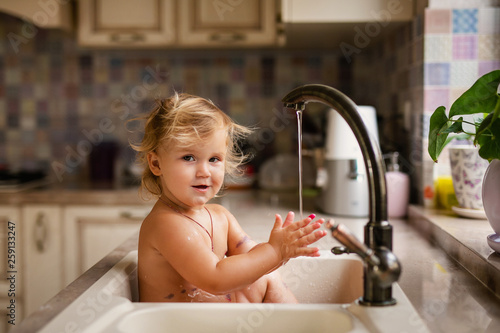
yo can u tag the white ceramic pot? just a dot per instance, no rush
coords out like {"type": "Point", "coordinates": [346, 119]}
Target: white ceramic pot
{"type": "Point", "coordinates": [491, 195]}
{"type": "Point", "coordinates": [467, 171]}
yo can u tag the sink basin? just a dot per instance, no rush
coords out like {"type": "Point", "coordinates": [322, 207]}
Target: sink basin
{"type": "Point", "coordinates": [326, 279]}
{"type": "Point", "coordinates": [237, 318]}
{"type": "Point", "coordinates": [327, 288]}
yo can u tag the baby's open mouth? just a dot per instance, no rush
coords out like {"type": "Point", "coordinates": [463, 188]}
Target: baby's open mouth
{"type": "Point", "coordinates": [201, 186]}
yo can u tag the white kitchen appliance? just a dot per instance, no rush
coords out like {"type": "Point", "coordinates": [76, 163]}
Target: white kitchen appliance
{"type": "Point", "coordinates": [345, 190]}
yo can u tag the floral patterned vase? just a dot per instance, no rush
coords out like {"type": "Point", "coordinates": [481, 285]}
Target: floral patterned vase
{"type": "Point", "coordinates": [467, 170]}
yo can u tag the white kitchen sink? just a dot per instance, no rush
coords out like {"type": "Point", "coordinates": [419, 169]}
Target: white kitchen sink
{"type": "Point", "coordinates": [327, 287]}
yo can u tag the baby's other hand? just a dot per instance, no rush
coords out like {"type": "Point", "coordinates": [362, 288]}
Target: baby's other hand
{"type": "Point", "coordinates": [291, 239]}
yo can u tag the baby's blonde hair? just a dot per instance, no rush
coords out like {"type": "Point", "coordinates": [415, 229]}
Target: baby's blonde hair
{"type": "Point", "coordinates": [184, 120]}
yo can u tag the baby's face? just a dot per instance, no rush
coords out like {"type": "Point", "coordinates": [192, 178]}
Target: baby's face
{"type": "Point", "coordinates": [192, 176]}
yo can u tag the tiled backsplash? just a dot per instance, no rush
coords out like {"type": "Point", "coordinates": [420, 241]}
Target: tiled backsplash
{"type": "Point", "coordinates": [57, 100]}
{"type": "Point", "coordinates": [421, 67]}
{"type": "Point", "coordinates": [461, 44]}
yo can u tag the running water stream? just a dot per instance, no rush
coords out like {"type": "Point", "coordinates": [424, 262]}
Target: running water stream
{"type": "Point", "coordinates": [299, 138]}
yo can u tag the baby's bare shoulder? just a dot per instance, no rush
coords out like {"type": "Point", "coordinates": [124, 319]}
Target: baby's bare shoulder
{"type": "Point", "coordinates": [216, 208]}
{"type": "Point", "coordinates": [159, 222]}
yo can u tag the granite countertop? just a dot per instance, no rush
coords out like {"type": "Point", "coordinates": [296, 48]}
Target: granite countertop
{"type": "Point", "coordinates": [61, 196]}
{"type": "Point", "coordinates": [447, 297]}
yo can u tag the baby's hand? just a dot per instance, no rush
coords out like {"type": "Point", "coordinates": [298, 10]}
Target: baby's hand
{"type": "Point", "coordinates": [291, 239]}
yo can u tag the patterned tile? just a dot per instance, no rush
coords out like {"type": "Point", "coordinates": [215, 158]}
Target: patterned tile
{"type": "Point", "coordinates": [27, 90]}
{"type": "Point", "coordinates": [85, 90]}
{"type": "Point", "coordinates": [489, 47]}
{"type": "Point", "coordinates": [437, 48]}
{"type": "Point", "coordinates": [456, 93]}
{"type": "Point", "coordinates": [99, 90]}
{"type": "Point", "coordinates": [437, 74]}
{"type": "Point", "coordinates": [42, 116]}
{"type": "Point", "coordinates": [12, 75]}
{"type": "Point", "coordinates": [465, 47]}
{"type": "Point", "coordinates": [28, 136]}
{"type": "Point", "coordinates": [489, 21]}
{"type": "Point", "coordinates": [13, 113]}
{"type": "Point", "coordinates": [435, 97]}
{"type": "Point", "coordinates": [463, 73]}
{"type": "Point", "coordinates": [437, 21]}
{"type": "Point", "coordinates": [465, 21]}
{"type": "Point", "coordinates": [488, 66]}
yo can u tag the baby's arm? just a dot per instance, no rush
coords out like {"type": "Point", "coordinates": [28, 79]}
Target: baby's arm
{"type": "Point", "coordinates": [238, 241]}
{"type": "Point", "coordinates": [194, 261]}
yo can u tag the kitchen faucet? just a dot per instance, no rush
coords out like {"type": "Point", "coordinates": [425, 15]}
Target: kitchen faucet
{"type": "Point", "coordinates": [381, 267]}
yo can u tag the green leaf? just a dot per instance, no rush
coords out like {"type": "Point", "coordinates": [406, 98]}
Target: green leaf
{"type": "Point", "coordinates": [480, 98]}
{"type": "Point", "coordinates": [489, 140]}
{"type": "Point", "coordinates": [456, 127]}
{"type": "Point", "coordinates": [437, 139]}
{"type": "Point", "coordinates": [483, 127]}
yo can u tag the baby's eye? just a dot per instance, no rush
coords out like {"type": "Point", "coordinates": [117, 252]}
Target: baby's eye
{"type": "Point", "coordinates": [215, 159]}
{"type": "Point", "coordinates": [188, 158]}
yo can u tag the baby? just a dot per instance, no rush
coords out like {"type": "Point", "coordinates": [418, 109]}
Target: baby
{"type": "Point", "coordinates": [193, 251]}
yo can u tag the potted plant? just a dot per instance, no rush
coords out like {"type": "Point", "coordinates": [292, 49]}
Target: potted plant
{"type": "Point", "coordinates": [482, 98]}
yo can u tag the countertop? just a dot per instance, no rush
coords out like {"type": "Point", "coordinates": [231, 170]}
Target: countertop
{"type": "Point", "coordinates": [447, 297]}
{"type": "Point", "coordinates": [61, 196]}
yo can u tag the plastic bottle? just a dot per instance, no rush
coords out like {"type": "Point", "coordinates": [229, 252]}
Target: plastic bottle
{"type": "Point", "coordinates": [443, 183]}
{"type": "Point", "coordinates": [398, 188]}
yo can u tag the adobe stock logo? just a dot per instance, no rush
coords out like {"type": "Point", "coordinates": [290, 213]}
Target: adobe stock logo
{"type": "Point", "coordinates": [223, 6]}
{"type": "Point", "coordinates": [47, 9]}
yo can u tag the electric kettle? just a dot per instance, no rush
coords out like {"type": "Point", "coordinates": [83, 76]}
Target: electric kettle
{"type": "Point", "coordinates": [345, 189]}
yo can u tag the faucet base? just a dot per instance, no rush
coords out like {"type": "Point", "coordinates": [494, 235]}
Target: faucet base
{"type": "Point", "coordinates": [389, 302]}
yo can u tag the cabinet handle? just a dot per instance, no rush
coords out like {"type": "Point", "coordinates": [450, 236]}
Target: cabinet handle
{"type": "Point", "coordinates": [126, 38]}
{"type": "Point", "coordinates": [132, 216]}
{"type": "Point", "coordinates": [40, 233]}
{"type": "Point", "coordinates": [227, 37]}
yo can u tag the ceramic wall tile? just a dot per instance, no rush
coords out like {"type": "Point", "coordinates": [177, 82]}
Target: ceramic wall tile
{"type": "Point", "coordinates": [437, 74]}
{"type": "Point", "coordinates": [489, 47]}
{"type": "Point", "coordinates": [456, 92]}
{"type": "Point", "coordinates": [464, 47]}
{"type": "Point", "coordinates": [434, 97]}
{"type": "Point", "coordinates": [488, 66]}
{"type": "Point", "coordinates": [489, 21]}
{"type": "Point", "coordinates": [438, 21]}
{"type": "Point", "coordinates": [437, 48]}
{"type": "Point", "coordinates": [463, 73]}
{"type": "Point", "coordinates": [465, 20]}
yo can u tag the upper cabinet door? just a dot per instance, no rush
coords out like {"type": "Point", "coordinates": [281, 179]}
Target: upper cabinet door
{"type": "Point", "coordinates": [134, 23]}
{"type": "Point", "coordinates": [338, 11]}
{"type": "Point", "coordinates": [227, 22]}
{"type": "Point", "coordinates": [45, 14]}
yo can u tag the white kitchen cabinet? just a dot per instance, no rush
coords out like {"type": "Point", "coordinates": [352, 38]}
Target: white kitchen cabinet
{"type": "Point", "coordinates": [339, 11]}
{"type": "Point", "coordinates": [92, 232]}
{"type": "Point", "coordinates": [348, 26]}
{"type": "Point", "coordinates": [227, 23]}
{"type": "Point", "coordinates": [45, 14]}
{"type": "Point", "coordinates": [10, 262]}
{"type": "Point", "coordinates": [42, 244]}
{"type": "Point", "coordinates": [126, 23]}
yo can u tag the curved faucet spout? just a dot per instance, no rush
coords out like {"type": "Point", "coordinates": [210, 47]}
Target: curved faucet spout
{"type": "Point", "coordinates": [378, 231]}
{"type": "Point", "coordinates": [369, 147]}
